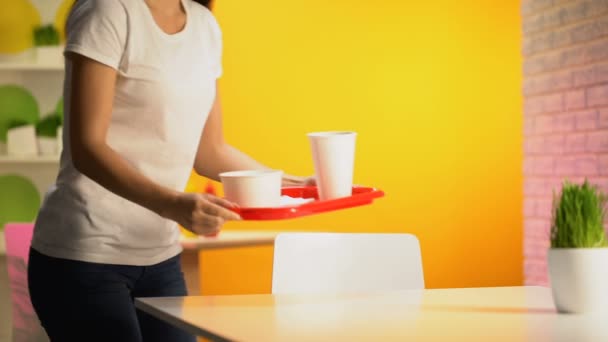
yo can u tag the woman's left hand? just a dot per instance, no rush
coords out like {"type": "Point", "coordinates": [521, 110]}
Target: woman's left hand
{"type": "Point", "coordinates": [289, 180]}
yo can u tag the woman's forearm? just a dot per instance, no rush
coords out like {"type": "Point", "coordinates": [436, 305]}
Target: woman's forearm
{"type": "Point", "coordinates": [110, 170]}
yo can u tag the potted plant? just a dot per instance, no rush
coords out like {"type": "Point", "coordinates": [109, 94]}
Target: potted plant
{"type": "Point", "coordinates": [47, 42]}
{"type": "Point", "coordinates": [21, 139]}
{"type": "Point", "coordinates": [46, 133]}
{"type": "Point", "coordinates": [578, 257]}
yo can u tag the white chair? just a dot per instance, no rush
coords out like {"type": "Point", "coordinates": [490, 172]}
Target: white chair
{"type": "Point", "coordinates": [309, 263]}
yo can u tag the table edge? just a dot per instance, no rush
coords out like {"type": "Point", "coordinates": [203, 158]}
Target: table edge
{"type": "Point", "coordinates": [140, 304]}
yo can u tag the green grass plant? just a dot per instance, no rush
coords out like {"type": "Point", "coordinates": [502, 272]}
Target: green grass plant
{"type": "Point", "coordinates": [578, 217]}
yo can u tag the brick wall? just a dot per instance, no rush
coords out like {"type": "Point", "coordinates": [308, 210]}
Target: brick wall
{"type": "Point", "coordinates": [565, 48]}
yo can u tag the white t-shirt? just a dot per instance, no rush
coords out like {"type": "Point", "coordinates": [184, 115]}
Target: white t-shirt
{"type": "Point", "coordinates": [164, 91]}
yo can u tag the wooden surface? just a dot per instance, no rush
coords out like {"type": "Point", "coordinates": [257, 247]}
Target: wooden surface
{"type": "Point", "coordinates": [226, 239]}
{"type": "Point", "coordinates": [473, 314]}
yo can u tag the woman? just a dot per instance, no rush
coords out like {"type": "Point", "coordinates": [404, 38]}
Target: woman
{"type": "Point", "coordinates": [141, 110]}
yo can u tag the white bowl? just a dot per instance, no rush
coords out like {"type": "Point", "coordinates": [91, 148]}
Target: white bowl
{"type": "Point", "coordinates": [253, 188]}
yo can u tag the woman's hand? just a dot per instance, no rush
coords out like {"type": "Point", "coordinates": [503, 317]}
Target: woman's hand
{"type": "Point", "coordinates": [289, 180]}
{"type": "Point", "coordinates": [202, 214]}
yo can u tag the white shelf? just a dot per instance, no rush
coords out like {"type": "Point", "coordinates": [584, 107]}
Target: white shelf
{"type": "Point", "coordinates": [21, 66]}
{"type": "Point", "coordinates": [5, 159]}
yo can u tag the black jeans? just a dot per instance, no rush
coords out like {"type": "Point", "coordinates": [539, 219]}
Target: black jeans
{"type": "Point", "coordinates": [83, 301]}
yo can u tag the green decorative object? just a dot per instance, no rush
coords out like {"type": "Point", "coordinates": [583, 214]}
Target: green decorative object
{"type": "Point", "coordinates": [17, 123]}
{"type": "Point", "coordinates": [578, 258]}
{"type": "Point", "coordinates": [16, 103]}
{"type": "Point", "coordinates": [47, 127]}
{"type": "Point", "coordinates": [19, 201]}
{"type": "Point", "coordinates": [578, 217]}
{"type": "Point", "coordinates": [46, 35]}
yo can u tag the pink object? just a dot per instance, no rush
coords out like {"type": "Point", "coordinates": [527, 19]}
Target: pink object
{"type": "Point", "coordinates": [26, 326]}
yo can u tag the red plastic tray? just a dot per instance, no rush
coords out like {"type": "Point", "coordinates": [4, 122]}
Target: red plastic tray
{"type": "Point", "coordinates": [360, 196]}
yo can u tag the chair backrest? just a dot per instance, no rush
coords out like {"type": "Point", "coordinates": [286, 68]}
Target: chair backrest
{"type": "Point", "coordinates": [26, 326]}
{"type": "Point", "coordinates": [308, 263]}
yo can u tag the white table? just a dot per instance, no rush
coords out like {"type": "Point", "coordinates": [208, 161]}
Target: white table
{"type": "Point", "coordinates": [226, 239]}
{"type": "Point", "coordinates": [473, 314]}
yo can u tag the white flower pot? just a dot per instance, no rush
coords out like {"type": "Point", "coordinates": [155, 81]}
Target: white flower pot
{"type": "Point", "coordinates": [579, 279]}
{"type": "Point", "coordinates": [47, 146]}
{"type": "Point", "coordinates": [49, 55]}
{"type": "Point", "coordinates": [21, 141]}
{"type": "Point", "coordinates": [27, 56]}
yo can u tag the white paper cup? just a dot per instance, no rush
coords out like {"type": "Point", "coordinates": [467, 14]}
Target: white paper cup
{"type": "Point", "coordinates": [333, 155]}
{"type": "Point", "coordinates": [253, 188]}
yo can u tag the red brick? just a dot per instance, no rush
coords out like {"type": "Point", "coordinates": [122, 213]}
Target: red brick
{"type": "Point", "coordinates": [533, 145]}
{"type": "Point", "coordinates": [590, 75]}
{"type": "Point", "coordinates": [537, 246]}
{"type": "Point", "coordinates": [535, 266]}
{"type": "Point", "coordinates": [528, 126]}
{"type": "Point", "coordinates": [528, 166]}
{"type": "Point", "coordinates": [544, 124]}
{"type": "Point", "coordinates": [596, 52]}
{"type": "Point", "coordinates": [576, 166]}
{"type": "Point", "coordinates": [564, 123]}
{"type": "Point", "coordinates": [534, 85]}
{"type": "Point", "coordinates": [549, 145]}
{"type": "Point", "coordinates": [603, 118]}
{"type": "Point", "coordinates": [597, 7]}
{"type": "Point", "coordinates": [588, 30]}
{"type": "Point", "coordinates": [531, 6]}
{"type": "Point", "coordinates": [544, 208]}
{"type": "Point", "coordinates": [579, 10]}
{"type": "Point", "coordinates": [603, 164]}
{"type": "Point", "coordinates": [575, 99]}
{"type": "Point", "coordinates": [537, 281]}
{"type": "Point", "coordinates": [542, 166]}
{"type": "Point", "coordinates": [544, 41]}
{"type": "Point", "coordinates": [544, 104]}
{"type": "Point", "coordinates": [575, 143]}
{"type": "Point", "coordinates": [555, 186]}
{"type": "Point", "coordinates": [554, 60]}
{"type": "Point", "coordinates": [535, 258]}
{"type": "Point", "coordinates": [557, 38]}
{"type": "Point", "coordinates": [597, 95]}
{"type": "Point", "coordinates": [540, 21]}
{"type": "Point", "coordinates": [603, 185]}
{"type": "Point", "coordinates": [553, 16]}
{"type": "Point", "coordinates": [564, 167]}
{"type": "Point", "coordinates": [597, 141]}
{"type": "Point", "coordinates": [535, 229]}
{"type": "Point", "coordinates": [529, 207]}
{"type": "Point", "coordinates": [536, 187]}
{"type": "Point", "coordinates": [586, 166]}
{"type": "Point", "coordinates": [553, 144]}
{"type": "Point", "coordinates": [586, 120]}
{"type": "Point", "coordinates": [567, 57]}
{"type": "Point", "coordinates": [584, 76]}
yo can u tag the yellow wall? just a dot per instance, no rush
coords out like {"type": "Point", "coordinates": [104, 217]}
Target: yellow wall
{"type": "Point", "coordinates": [432, 88]}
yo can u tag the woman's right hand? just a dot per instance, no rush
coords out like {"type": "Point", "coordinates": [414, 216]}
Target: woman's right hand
{"type": "Point", "coordinates": [202, 214]}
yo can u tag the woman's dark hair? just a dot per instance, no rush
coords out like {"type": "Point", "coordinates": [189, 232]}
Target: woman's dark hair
{"type": "Point", "coordinates": [206, 3]}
